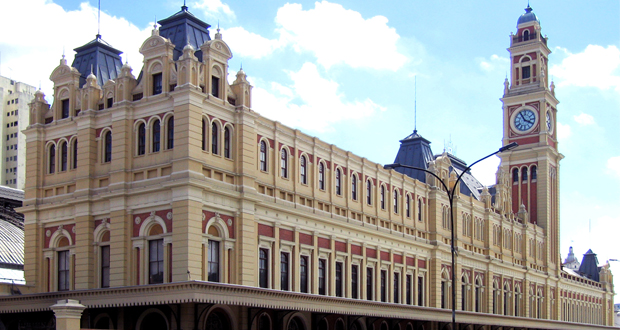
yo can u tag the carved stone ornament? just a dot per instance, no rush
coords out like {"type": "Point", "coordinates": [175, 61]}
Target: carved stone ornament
{"type": "Point", "coordinates": [48, 233]}
{"type": "Point", "coordinates": [152, 213]}
{"type": "Point", "coordinates": [73, 229]}
{"type": "Point", "coordinates": [104, 221]}
{"type": "Point", "coordinates": [63, 70]}
{"type": "Point", "coordinates": [229, 222]}
{"type": "Point", "coordinates": [203, 216]}
{"type": "Point", "coordinates": [218, 46]}
{"type": "Point", "coordinates": [60, 227]}
{"type": "Point", "coordinates": [169, 215]}
{"type": "Point", "coordinates": [137, 220]}
{"type": "Point", "coordinates": [217, 215]}
{"type": "Point", "coordinates": [154, 42]}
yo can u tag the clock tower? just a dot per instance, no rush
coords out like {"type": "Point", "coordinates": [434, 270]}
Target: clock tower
{"type": "Point", "coordinates": [530, 108]}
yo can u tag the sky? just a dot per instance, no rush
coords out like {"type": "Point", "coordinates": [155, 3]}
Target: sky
{"type": "Point", "coordinates": [352, 73]}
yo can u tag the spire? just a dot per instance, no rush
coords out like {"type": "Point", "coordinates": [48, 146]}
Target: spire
{"type": "Point", "coordinates": [98, 19]}
{"type": "Point", "coordinates": [415, 105]}
{"type": "Point", "coordinates": [184, 7]}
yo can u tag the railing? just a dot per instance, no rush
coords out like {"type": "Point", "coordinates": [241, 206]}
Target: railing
{"type": "Point", "coordinates": [529, 37]}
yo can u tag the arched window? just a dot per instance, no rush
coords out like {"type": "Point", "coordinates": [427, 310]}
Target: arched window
{"type": "Point", "coordinates": [321, 176]}
{"type": "Point", "coordinates": [383, 197]}
{"type": "Point", "coordinates": [395, 201]}
{"type": "Point", "coordinates": [263, 156]}
{"type": "Point", "coordinates": [478, 296]}
{"type": "Point", "coordinates": [408, 206]}
{"type": "Point", "coordinates": [107, 142]}
{"type": "Point", "coordinates": [141, 139]}
{"type": "Point", "coordinates": [526, 35]}
{"type": "Point", "coordinates": [284, 163]}
{"type": "Point", "coordinates": [506, 298]}
{"type": "Point", "coordinates": [368, 192]}
{"type": "Point", "coordinates": [204, 134]}
{"type": "Point", "coordinates": [354, 187]}
{"type": "Point", "coordinates": [52, 159]}
{"type": "Point", "coordinates": [215, 147]}
{"type": "Point", "coordinates": [524, 174]}
{"type": "Point", "coordinates": [75, 153]}
{"type": "Point", "coordinates": [446, 222]}
{"type": "Point", "coordinates": [63, 156]}
{"type": "Point", "coordinates": [338, 182]}
{"type": "Point", "coordinates": [303, 170]}
{"type": "Point", "coordinates": [214, 261]}
{"type": "Point", "coordinates": [156, 136]}
{"type": "Point", "coordinates": [227, 142]}
{"type": "Point", "coordinates": [464, 291]}
{"type": "Point", "coordinates": [170, 133]}
{"type": "Point", "coordinates": [515, 175]}
{"type": "Point", "coordinates": [419, 209]}
{"type": "Point", "coordinates": [533, 173]}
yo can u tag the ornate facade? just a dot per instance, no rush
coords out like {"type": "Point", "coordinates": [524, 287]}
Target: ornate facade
{"type": "Point", "coordinates": [165, 201]}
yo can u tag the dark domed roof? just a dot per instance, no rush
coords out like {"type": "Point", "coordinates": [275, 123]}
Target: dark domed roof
{"type": "Point", "coordinates": [529, 16]}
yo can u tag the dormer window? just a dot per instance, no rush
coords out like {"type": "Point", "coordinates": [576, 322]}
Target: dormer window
{"type": "Point", "coordinates": [157, 83]}
{"type": "Point", "coordinates": [65, 109]}
{"type": "Point", "coordinates": [526, 35]}
{"type": "Point", "coordinates": [110, 102]}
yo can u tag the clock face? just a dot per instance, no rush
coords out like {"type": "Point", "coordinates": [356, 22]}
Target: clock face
{"type": "Point", "coordinates": [549, 124]}
{"type": "Point", "coordinates": [524, 120]}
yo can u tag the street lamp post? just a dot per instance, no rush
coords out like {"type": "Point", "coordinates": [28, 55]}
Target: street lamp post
{"type": "Point", "coordinates": [450, 193]}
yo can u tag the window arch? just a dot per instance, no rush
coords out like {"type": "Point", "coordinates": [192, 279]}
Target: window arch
{"type": "Point", "coordinates": [51, 159]}
{"type": "Point", "coordinates": [420, 210]}
{"type": "Point", "coordinates": [395, 203]}
{"type": "Point", "coordinates": [107, 146]}
{"type": "Point", "coordinates": [338, 182]}
{"type": "Point", "coordinates": [322, 176]}
{"type": "Point", "coordinates": [284, 163]}
{"type": "Point", "coordinates": [141, 139]}
{"type": "Point", "coordinates": [170, 133]}
{"type": "Point", "coordinates": [446, 222]}
{"type": "Point", "coordinates": [382, 197]}
{"type": "Point", "coordinates": [215, 146]}
{"type": "Point", "coordinates": [524, 174]}
{"type": "Point", "coordinates": [63, 156]}
{"type": "Point", "coordinates": [227, 142]}
{"type": "Point", "coordinates": [464, 292]}
{"type": "Point", "coordinates": [156, 137]}
{"type": "Point", "coordinates": [263, 156]}
{"type": "Point", "coordinates": [354, 187]}
{"type": "Point", "coordinates": [478, 290]}
{"type": "Point", "coordinates": [303, 170]}
{"type": "Point", "coordinates": [368, 192]}
{"type": "Point", "coordinates": [526, 35]}
{"type": "Point", "coordinates": [445, 289]}
{"type": "Point", "coordinates": [533, 174]}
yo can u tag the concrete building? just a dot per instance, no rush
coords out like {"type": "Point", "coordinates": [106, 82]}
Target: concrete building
{"type": "Point", "coordinates": [14, 99]}
{"type": "Point", "coordinates": [166, 202]}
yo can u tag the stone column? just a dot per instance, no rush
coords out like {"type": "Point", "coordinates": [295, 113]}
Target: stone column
{"type": "Point", "coordinates": [68, 313]}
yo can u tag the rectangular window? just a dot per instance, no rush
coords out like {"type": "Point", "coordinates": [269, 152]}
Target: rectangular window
{"type": "Point", "coordinates": [369, 283]}
{"type": "Point", "coordinates": [397, 288]}
{"type": "Point", "coordinates": [214, 261]}
{"type": "Point", "coordinates": [525, 72]}
{"type": "Point", "coordinates": [65, 109]}
{"type": "Point", "coordinates": [157, 83]}
{"type": "Point", "coordinates": [215, 86]}
{"type": "Point", "coordinates": [263, 268]}
{"type": "Point", "coordinates": [408, 289]}
{"type": "Point", "coordinates": [303, 274]}
{"type": "Point", "coordinates": [156, 261]}
{"type": "Point", "coordinates": [443, 294]}
{"type": "Point", "coordinates": [383, 285]}
{"type": "Point", "coordinates": [354, 282]}
{"type": "Point", "coordinates": [284, 274]}
{"type": "Point", "coordinates": [338, 279]}
{"type": "Point", "coordinates": [322, 276]}
{"type": "Point", "coordinates": [105, 266]}
{"type": "Point", "coordinates": [110, 102]}
{"type": "Point", "coordinates": [420, 291]}
{"type": "Point", "coordinates": [63, 270]}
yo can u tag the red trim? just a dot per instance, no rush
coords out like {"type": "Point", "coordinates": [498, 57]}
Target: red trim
{"type": "Point", "coordinates": [323, 243]}
{"type": "Point", "coordinates": [421, 263]}
{"type": "Point", "coordinates": [398, 258]}
{"type": "Point", "coordinates": [287, 235]}
{"type": "Point", "coordinates": [385, 255]}
{"type": "Point", "coordinates": [265, 230]}
{"type": "Point", "coordinates": [341, 246]}
{"type": "Point", "coordinates": [371, 253]}
{"type": "Point", "coordinates": [356, 249]}
{"type": "Point", "coordinates": [305, 239]}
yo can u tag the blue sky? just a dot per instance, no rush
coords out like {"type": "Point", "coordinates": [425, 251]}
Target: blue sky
{"type": "Point", "coordinates": [344, 71]}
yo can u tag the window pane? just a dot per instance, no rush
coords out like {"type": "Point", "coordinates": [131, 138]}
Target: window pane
{"type": "Point", "coordinates": [303, 274]}
{"type": "Point", "coordinates": [263, 267]}
{"type": "Point", "coordinates": [214, 261]}
{"type": "Point", "coordinates": [105, 266]}
{"type": "Point", "coordinates": [284, 278]}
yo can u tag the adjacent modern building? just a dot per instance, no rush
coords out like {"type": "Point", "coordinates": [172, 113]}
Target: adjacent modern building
{"type": "Point", "coordinates": [161, 200]}
{"type": "Point", "coordinates": [14, 99]}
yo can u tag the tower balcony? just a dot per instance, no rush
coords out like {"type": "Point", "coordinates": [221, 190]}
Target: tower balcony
{"type": "Point", "coordinates": [517, 39]}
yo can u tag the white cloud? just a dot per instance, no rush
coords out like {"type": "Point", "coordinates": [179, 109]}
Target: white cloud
{"type": "Point", "coordinates": [34, 52]}
{"type": "Point", "coordinates": [584, 119]}
{"type": "Point", "coordinates": [613, 165]}
{"type": "Point", "coordinates": [494, 63]}
{"type": "Point", "coordinates": [485, 170]}
{"type": "Point", "coordinates": [348, 38]}
{"type": "Point", "coordinates": [311, 102]}
{"type": "Point", "coordinates": [215, 8]}
{"type": "Point", "coordinates": [248, 44]}
{"type": "Point", "coordinates": [596, 67]}
{"type": "Point", "coordinates": [564, 131]}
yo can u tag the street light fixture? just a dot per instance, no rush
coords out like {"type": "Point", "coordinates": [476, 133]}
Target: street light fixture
{"type": "Point", "coordinates": [450, 193]}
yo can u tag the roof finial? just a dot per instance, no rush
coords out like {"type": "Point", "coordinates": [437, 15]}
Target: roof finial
{"type": "Point", "coordinates": [184, 8]}
{"type": "Point", "coordinates": [218, 26]}
{"type": "Point", "coordinates": [63, 51]}
{"type": "Point", "coordinates": [155, 23]}
{"type": "Point", "coordinates": [91, 69]}
{"type": "Point", "coordinates": [99, 19]}
{"type": "Point", "coordinates": [241, 66]}
{"type": "Point", "coordinates": [415, 105]}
